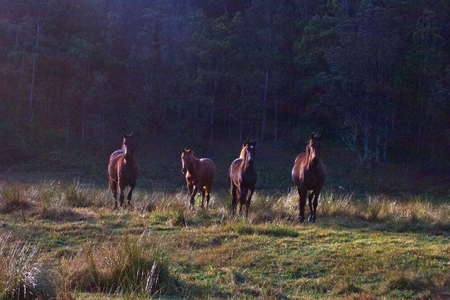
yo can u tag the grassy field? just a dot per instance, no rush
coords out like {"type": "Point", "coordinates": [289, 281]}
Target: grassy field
{"type": "Point", "coordinates": [65, 241]}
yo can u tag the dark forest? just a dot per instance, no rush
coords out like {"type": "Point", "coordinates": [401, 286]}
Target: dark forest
{"type": "Point", "coordinates": [372, 76]}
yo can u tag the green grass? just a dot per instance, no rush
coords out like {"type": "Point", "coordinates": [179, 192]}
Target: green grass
{"type": "Point", "coordinates": [360, 248]}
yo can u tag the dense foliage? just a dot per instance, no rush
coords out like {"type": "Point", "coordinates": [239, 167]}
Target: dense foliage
{"type": "Point", "coordinates": [372, 74]}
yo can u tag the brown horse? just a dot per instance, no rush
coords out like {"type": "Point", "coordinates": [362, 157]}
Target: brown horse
{"type": "Point", "coordinates": [199, 174]}
{"type": "Point", "coordinates": [243, 178]}
{"type": "Point", "coordinates": [122, 170]}
{"type": "Point", "coordinates": [308, 174]}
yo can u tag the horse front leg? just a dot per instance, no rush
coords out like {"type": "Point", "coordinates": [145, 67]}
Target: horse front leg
{"type": "Point", "coordinates": [315, 203]}
{"type": "Point", "coordinates": [242, 200]}
{"type": "Point", "coordinates": [301, 204]}
{"type": "Point", "coordinates": [190, 187]}
{"type": "Point", "coordinates": [247, 204]}
{"type": "Point", "coordinates": [192, 198]}
{"type": "Point", "coordinates": [311, 208]}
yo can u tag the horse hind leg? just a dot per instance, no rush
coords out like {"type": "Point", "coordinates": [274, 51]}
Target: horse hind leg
{"type": "Point", "coordinates": [203, 197]}
{"type": "Point", "coordinates": [234, 198]}
{"type": "Point", "coordinates": [208, 196]}
{"type": "Point", "coordinates": [130, 194]}
{"type": "Point", "coordinates": [121, 194]}
{"type": "Point", "coordinates": [113, 188]}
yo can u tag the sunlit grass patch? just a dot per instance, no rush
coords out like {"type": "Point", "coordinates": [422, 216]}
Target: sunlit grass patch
{"type": "Point", "coordinates": [22, 276]}
{"type": "Point", "coordinates": [133, 265]}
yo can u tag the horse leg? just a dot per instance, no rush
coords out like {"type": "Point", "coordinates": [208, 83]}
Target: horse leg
{"type": "Point", "coordinates": [190, 187]}
{"type": "Point", "coordinates": [130, 194]}
{"type": "Point", "coordinates": [208, 197]}
{"type": "Point", "coordinates": [315, 203]}
{"type": "Point", "coordinates": [247, 204]}
{"type": "Point", "coordinates": [242, 199]}
{"type": "Point", "coordinates": [192, 200]}
{"type": "Point", "coordinates": [203, 198]}
{"type": "Point", "coordinates": [302, 203]}
{"type": "Point", "coordinates": [234, 199]}
{"type": "Point", "coordinates": [311, 209]}
{"type": "Point", "coordinates": [121, 193]}
{"type": "Point", "coordinates": [113, 188]}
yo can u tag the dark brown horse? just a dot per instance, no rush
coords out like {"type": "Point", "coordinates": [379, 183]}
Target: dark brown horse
{"type": "Point", "coordinates": [199, 174]}
{"type": "Point", "coordinates": [308, 174]}
{"type": "Point", "coordinates": [122, 170]}
{"type": "Point", "coordinates": [243, 178]}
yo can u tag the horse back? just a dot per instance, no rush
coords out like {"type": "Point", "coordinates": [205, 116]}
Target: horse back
{"type": "Point", "coordinates": [113, 161]}
{"type": "Point", "coordinates": [206, 172]}
{"type": "Point", "coordinates": [207, 167]}
{"type": "Point", "coordinates": [121, 168]}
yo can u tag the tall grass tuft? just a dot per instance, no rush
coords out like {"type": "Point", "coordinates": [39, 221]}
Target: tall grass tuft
{"type": "Point", "coordinates": [22, 276]}
{"type": "Point", "coordinates": [129, 266]}
{"type": "Point", "coordinates": [13, 198]}
{"type": "Point", "coordinates": [75, 195]}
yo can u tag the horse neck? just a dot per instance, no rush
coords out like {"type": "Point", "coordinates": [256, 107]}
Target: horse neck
{"type": "Point", "coordinates": [311, 159]}
{"type": "Point", "coordinates": [246, 161]}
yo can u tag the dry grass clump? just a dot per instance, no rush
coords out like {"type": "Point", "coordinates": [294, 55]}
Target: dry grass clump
{"type": "Point", "coordinates": [371, 208]}
{"type": "Point", "coordinates": [75, 195]}
{"type": "Point", "coordinates": [13, 198]}
{"type": "Point", "coordinates": [129, 266]}
{"type": "Point", "coordinates": [22, 276]}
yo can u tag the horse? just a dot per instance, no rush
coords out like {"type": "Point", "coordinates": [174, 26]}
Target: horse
{"type": "Point", "coordinates": [199, 174]}
{"type": "Point", "coordinates": [308, 174]}
{"type": "Point", "coordinates": [243, 177]}
{"type": "Point", "coordinates": [122, 170]}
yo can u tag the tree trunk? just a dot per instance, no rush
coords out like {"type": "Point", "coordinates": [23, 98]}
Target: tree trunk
{"type": "Point", "coordinates": [275, 126]}
{"type": "Point", "coordinates": [33, 75]}
{"type": "Point", "coordinates": [264, 120]}
{"type": "Point", "coordinates": [212, 114]}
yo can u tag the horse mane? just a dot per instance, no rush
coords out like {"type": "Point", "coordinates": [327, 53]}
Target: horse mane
{"type": "Point", "coordinates": [309, 158]}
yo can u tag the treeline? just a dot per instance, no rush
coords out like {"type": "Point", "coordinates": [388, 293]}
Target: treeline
{"type": "Point", "coordinates": [373, 75]}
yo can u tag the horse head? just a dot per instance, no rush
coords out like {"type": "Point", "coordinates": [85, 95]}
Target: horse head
{"type": "Point", "coordinates": [186, 160]}
{"type": "Point", "coordinates": [248, 151]}
{"type": "Point", "coordinates": [313, 146]}
{"type": "Point", "coordinates": [129, 144]}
